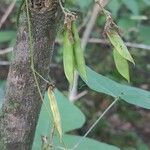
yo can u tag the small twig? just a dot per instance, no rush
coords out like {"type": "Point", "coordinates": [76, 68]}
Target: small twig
{"type": "Point", "coordinates": [91, 24]}
{"type": "Point", "coordinates": [96, 122]}
{"type": "Point", "coordinates": [52, 135]}
{"type": "Point", "coordinates": [100, 4]}
{"type": "Point", "coordinates": [65, 10]}
{"type": "Point", "coordinates": [128, 44]}
{"type": "Point", "coordinates": [42, 77]}
{"type": "Point", "coordinates": [85, 21]}
{"type": "Point", "coordinates": [7, 13]}
{"type": "Point", "coordinates": [79, 96]}
{"type": "Point", "coordinates": [92, 41]}
{"type": "Point", "coordinates": [62, 8]}
{"type": "Point", "coordinates": [4, 63]}
{"type": "Point", "coordinates": [5, 51]}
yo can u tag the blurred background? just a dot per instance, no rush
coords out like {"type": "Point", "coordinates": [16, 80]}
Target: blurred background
{"type": "Point", "coordinates": [125, 125]}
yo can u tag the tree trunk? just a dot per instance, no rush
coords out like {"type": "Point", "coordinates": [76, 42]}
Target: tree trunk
{"type": "Point", "coordinates": [22, 103]}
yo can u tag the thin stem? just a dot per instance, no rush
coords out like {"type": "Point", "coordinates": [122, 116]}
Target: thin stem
{"type": "Point", "coordinates": [105, 12]}
{"type": "Point", "coordinates": [42, 77]}
{"type": "Point", "coordinates": [66, 11]}
{"type": "Point", "coordinates": [52, 135]}
{"type": "Point", "coordinates": [7, 13]}
{"type": "Point", "coordinates": [96, 122]}
{"type": "Point", "coordinates": [63, 9]}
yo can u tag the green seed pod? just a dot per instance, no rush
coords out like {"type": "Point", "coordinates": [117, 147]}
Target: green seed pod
{"type": "Point", "coordinates": [78, 53]}
{"type": "Point", "coordinates": [68, 58]}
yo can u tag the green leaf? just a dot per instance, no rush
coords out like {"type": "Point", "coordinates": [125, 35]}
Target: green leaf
{"type": "Point", "coordinates": [83, 4]}
{"type": "Point", "coordinates": [71, 117]}
{"type": "Point", "coordinates": [135, 96]}
{"type": "Point", "coordinates": [147, 2]}
{"type": "Point", "coordinates": [127, 25]}
{"type": "Point", "coordinates": [65, 107]}
{"type": "Point", "coordinates": [144, 32]}
{"type": "Point", "coordinates": [119, 45]}
{"type": "Point", "coordinates": [132, 5]}
{"type": "Point", "coordinates": [87, 144]}
{"type": "Point", "coordinates": [121, 65]}
{"type": "Point", "coordinates": [114, 6]}
{"type": "Point", "coordinates": [7, 36]}
{"type": "Point", "coordinates": [142, 146]}
{"type": "Point", "coordinates": [129, 94]}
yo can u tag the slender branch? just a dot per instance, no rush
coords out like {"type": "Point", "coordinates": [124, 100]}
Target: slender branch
{"type": "Point", "coordinates": [85, 21]}
{"type": "Point", "coordinates": [78, 96]}
{"type": "Point", "coordinates": [95, 123]}
{"type": "Point", "coordinates": [4, 63]}
{"type": "Point", "coordinates": [7, 13]}
{"type": "Point", "coordinates": [5, 51]}
{"type": "Point", "coordinates": [128, 44]}
{"type": "Point", "coordinates": [92, 41]}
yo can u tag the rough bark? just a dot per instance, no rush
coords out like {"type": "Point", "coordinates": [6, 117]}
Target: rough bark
{"type": "Point", "coordinates": [22, 103]}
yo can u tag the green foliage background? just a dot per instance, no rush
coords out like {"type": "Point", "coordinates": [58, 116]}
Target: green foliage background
{"type": "Point", "coordinates": [124, 125]}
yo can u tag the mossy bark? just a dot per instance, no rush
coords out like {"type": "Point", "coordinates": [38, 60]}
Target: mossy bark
{"type": "Point", "coordinates": [22, 103]}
